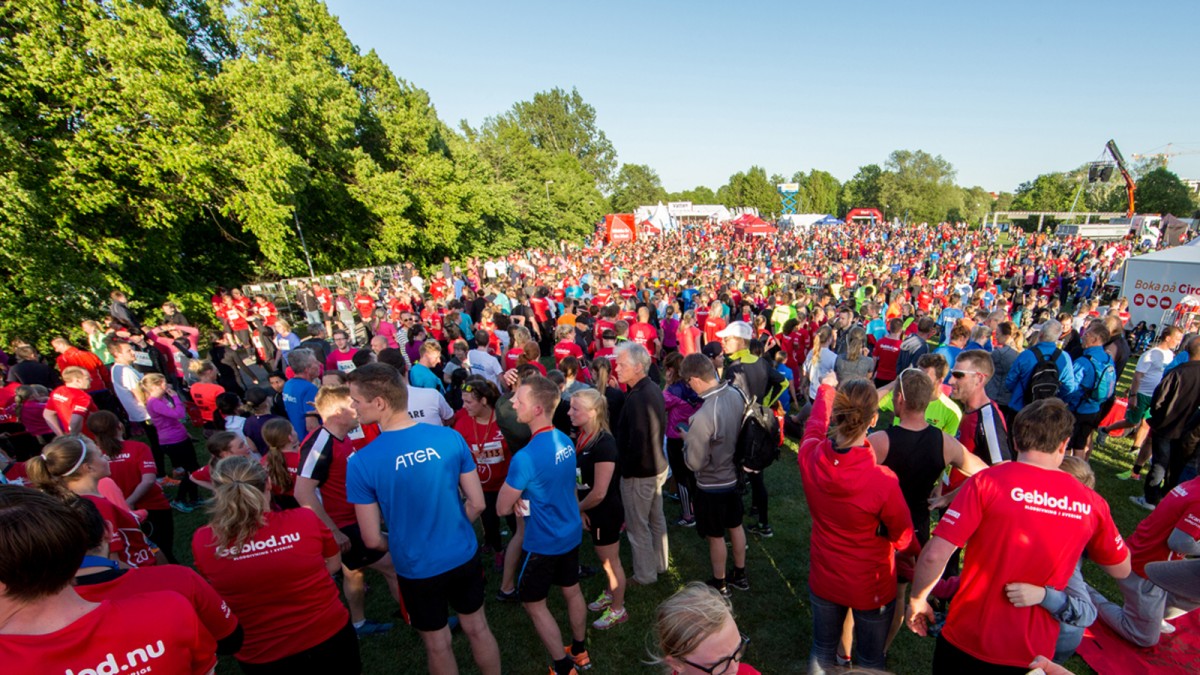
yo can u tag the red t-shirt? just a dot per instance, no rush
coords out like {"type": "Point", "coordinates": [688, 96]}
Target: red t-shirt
{"type": "Point", "coordinates": [564, 349]}
{"type": "Point", "coordinates": [325, 298]}
{"type": "Point", "coordinates": [204, 395]}
{"type": "Point", "coordinates": [714, 325]}
{"type": "Point", "coordinates": [488, 447]}
{"type": "Point", "coordinates": [237, 318]}
{"type": "Point", "coordinates": [1023, 523]}
{"type": "Point", "coordinates": [365, 304]}
{"type": "Point", "coordinates": [214, 614]}
{"type": "Point", "coordinates": [510, 358]}
{"type": "Point", "coordinates": [887, 354]}
{"type": "Point", "coordinates": [75, 356]}
{"type": "Point", "coordinates": [323, 458]}
{"type": "Point", "coordinates": [128, 542]}
{"type": "Point", "coordinates": [541, 309]}
{"type": "Point", "coordinates": [644, 334]}
{"type": "Point", "coordinates": [1180, 509]}
{"type": "Point", "coordinates": [276, 584]}
{"type": "Point", "coordinates": [155, 632]}
{"type": "Point", "coordinates": [361, 435]}
{"type": "Point", "coordinates": [204, 473]}
{"type": "Point", "coordinates": [686, 338]}
{"type": "Point", "coordinates": [127, 468]}
{"type": "Point", "coordinates": [66, 402]}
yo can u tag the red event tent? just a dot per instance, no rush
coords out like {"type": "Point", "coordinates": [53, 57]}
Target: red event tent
{"type": "Point", "coordinates": [618, 227]}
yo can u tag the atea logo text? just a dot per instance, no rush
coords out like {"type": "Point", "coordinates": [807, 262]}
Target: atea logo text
{"type": "Point", "coordinates": [1039, 498]}
{"type": "Point", "coordinates": [258, 545]}
{"type": "Point", "coordinates": [132, 666]}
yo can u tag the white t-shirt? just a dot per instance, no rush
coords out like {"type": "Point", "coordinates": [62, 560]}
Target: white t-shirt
{"type": "Point", "coordinates": [427, 406]}
{"type": "Point", "coordinates": [489, 269]}
{"type": "Point", "coordinates": [1151, 366]}
{"type": "Point", "coordinates": [125, 382]}
{"type": "Point", "coordinates": [486, 365]}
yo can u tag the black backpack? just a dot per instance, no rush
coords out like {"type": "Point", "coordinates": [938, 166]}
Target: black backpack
{"type": "Point", "coordinates": [1043, 379]}
{"type": "Point", "coordinates": [758, 439]}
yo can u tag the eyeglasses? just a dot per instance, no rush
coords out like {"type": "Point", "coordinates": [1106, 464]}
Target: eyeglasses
{"type": "Point", "coordinates": [722, 667]}
{"type": "Point", "coordinates": [959, 374]}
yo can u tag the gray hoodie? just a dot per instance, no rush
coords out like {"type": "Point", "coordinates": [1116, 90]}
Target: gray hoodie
{"type": "Point", "coordinates": [712, 437]}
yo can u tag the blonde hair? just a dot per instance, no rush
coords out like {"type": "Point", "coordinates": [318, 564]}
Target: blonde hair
{"type": "Point", "coordinates": [142, 393]}
{"type": "Point", "coordinates": [74, 374]}
{"type": "Point", "coordinates": [239, 504]}
{"type": "Point", "coordinates": [595, 402]}
{"type": "Point", "coordinates": [686, 619]}
{"type": "Point", "coordinates": [330, 399]}
{"type": "Point", "coordinates": [61, 459]}
{"type": "Point", "coordinates": [1080, 469]}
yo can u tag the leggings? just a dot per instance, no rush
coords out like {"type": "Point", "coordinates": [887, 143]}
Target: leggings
{"type": "Point", "coordinates": [338, 654]}
{"type": "Point", "coordinates": [683, 476]}
{"type": "Point", "coordinates": [183, 456]}
{"type": "Point", "coordinates": [491, 522]}
{"type": "Point", "coordinates": [159, 527]}
{"type": "Point", "coordinates": [758, 495]}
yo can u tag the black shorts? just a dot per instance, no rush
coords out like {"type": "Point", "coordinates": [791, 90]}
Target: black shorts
{"type": "Point", "coordinates": [1085, 426]}
{"type": "Point", "coordinates": [717, 512]}
{"type": "Point", "coordinates": [427, 599]}
{"type": "Point", "coordinates": [606, 525]}
{"type": "Point", "coordinates": [359, 556]}
{"type": "Point", "coordinates": [538, 572]}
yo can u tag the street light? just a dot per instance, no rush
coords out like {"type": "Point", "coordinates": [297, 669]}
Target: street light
{"type": "Point", "coordinates": [548, 183]}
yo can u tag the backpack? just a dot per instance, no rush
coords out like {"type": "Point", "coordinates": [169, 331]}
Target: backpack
{"type": "Point", "coordinates": [1043, 379]}
{"type": "Point", "coordinates": [758, 439]}
{"type": "Point", "coordinates": [1104, 382]}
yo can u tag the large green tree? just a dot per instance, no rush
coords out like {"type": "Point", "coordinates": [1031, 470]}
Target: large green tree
{"type": "Point", "coordinates": [697, 195]}
{"type": "Point", "coordinates": [819, 191]}
{"type": "Point", "coordinates": [919, 186]}
{"type": "Point", "coordinates": [750, 188]}
{"type": "Point", "coordinates": [1161, 191]}
{"type": "Point", "coordinates": [636, 185]}
{"type": "Point", "coordinates": [558, 121]}
{"type": "Point", "coordinates": [864, 190]}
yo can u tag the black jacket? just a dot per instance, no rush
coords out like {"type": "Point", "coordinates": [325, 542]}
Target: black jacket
{"type": "Point", "coordinates": [1175, 400]}
{"type": "Point", "coordinates": [640, 431]}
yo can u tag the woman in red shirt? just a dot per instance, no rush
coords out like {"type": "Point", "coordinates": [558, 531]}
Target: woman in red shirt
{"type": "Point", "coordinates": [273, 568]}
{"type": "Point", "coordinates": [72, 466]}
{"type": "Point", "coordinates": [133, 469]}
{"type": "Point", "coordinates": [688, 336]}
{"type": "Point", "coordinates": [282, 461]}
{"type": "Point", "coordinates": [476, 421]}
{"type": "Point", "coordinates": [49, 628]}
{"type": "Point", "coordinates": [852, 566]}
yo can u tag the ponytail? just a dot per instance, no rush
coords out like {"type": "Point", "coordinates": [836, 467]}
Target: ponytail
{"type": "Point", "coordinates": [603, 368]}
{"type": "Point", "coordinates": [239, 504]}
{"type": "Point", "coordinates": [277, 434]}
{"type": "Point", "coordinates": [60, 460]}
{"type": "Point", "coordinates": [854, 409]}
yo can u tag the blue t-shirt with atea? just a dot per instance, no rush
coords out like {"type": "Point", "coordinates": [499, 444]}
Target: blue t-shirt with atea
{"type": "Point", "coordinates": [544, 471]}
{"type": "Point", "coordinates": [298, 397]}
{"type": "Point", "coordinates": [413, 475]}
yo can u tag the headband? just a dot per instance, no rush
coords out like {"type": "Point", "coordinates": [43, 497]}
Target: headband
{"type": "Point", "coordinates": [82, 456]}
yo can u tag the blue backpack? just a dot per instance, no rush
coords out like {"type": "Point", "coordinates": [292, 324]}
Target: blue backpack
{"type": "Point", "coordinates": [1104, 383]}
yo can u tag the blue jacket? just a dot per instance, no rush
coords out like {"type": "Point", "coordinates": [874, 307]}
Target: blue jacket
{"type": "Point", "coordinates": [1087, 369]}
{"type": "Point", "coordinates": [1022, 368]}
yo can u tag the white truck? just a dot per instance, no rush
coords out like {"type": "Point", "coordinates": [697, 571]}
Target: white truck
{"type": "Point", "coordinates": [1144, 228]}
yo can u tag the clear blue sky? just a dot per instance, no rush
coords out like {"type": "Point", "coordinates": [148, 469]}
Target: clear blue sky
{"type": "Point", "coordinates": [700, 90]}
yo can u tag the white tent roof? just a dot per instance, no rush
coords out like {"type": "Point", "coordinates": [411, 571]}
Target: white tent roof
{"type": "Point", "coordinates": [1188, 253]}
{"type": "Point", "coordinates": [802, 219]}
{"type": "Point", "coordinates": [660, 218]}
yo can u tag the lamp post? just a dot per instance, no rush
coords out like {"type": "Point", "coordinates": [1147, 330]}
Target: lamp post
{"type": "Point", "coordinates": [548, 184]}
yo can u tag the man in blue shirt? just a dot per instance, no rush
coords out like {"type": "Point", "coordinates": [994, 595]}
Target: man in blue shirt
{"type": "Point", "coordinates": [1096, 379]}
{"type": "Point", "coordinates": [541, 478]}
{"type": "Point", "coordinates": [949, 317]}
{"type": "Point", "coordinates": [413, 473]}
{"type": "Point", "coordinates": [299, 392]}
{"type": "Point", "coordinates": [954, 346]}
{"type": "Point", "coordinates": [1018, 376]}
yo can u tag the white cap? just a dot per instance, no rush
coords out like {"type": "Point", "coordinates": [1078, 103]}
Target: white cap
{"type": "Point", "coordinates": [737, 329]}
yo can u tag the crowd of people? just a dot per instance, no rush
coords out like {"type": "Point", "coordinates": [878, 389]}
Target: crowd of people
{"type": "Point", "coordinates": [944, 391]}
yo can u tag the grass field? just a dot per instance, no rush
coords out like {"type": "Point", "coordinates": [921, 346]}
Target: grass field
{"type": "Point", "coordinates": [774, 612]}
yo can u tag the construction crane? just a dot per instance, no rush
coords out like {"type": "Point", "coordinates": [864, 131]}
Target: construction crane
{"type": "Point", "coordinates": [1165, 155]}
{"type": "Point", "coordinates": [1129, 185]}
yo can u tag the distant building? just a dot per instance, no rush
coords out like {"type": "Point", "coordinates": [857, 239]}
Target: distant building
{"type": "Point", "coordinates": [1192, 183]}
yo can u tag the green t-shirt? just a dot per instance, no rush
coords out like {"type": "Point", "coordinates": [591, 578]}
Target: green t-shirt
{"type": "Point", "coordinates": [942, 412]}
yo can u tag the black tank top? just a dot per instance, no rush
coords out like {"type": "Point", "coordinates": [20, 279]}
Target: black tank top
{"type": "Point", "coordinates": [918, 459]}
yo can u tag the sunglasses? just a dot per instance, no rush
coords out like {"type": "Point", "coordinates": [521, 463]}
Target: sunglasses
{"type": "Point", "coordinates": [723, 667]}
{"type": "Point", "coordinates": [959, 374]}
